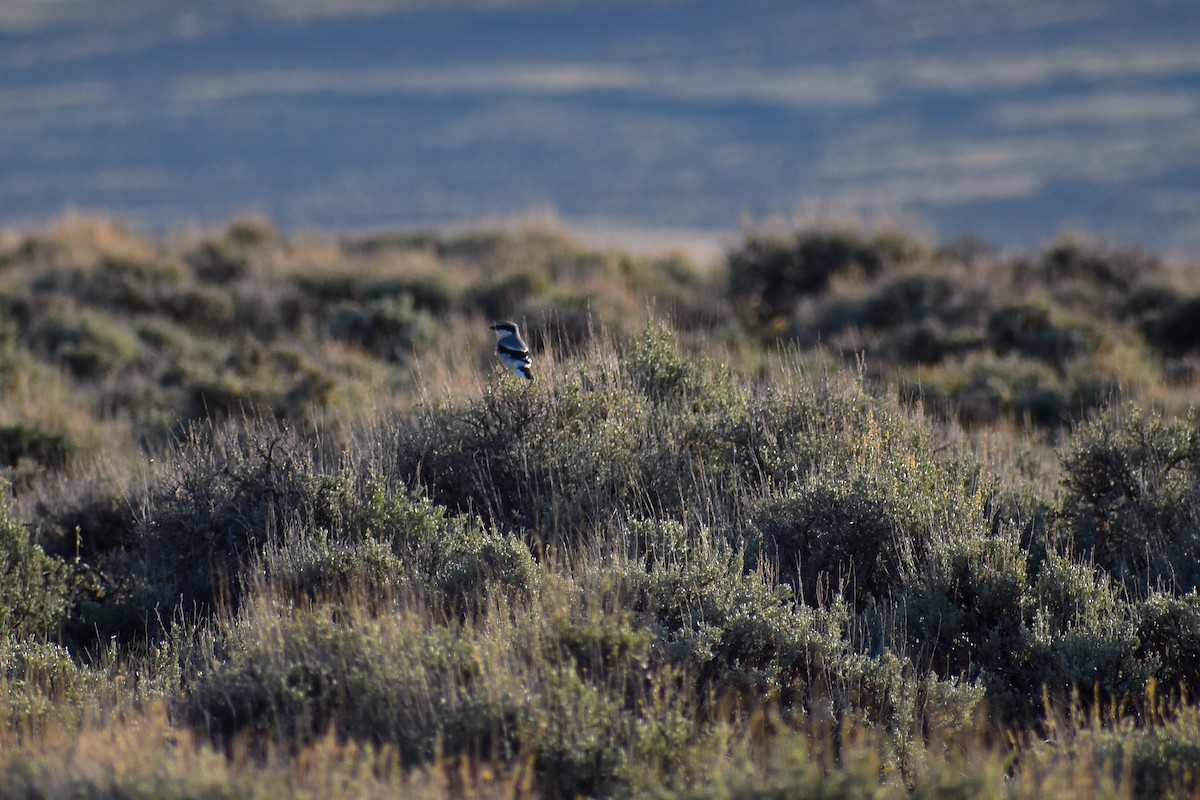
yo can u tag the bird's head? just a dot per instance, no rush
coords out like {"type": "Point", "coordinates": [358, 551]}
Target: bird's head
{"type": "Point", "coordinates": [504, 327]}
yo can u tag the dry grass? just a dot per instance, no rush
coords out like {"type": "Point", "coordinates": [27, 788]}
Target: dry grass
{"type": "Point", "coordinates": [142, 754]}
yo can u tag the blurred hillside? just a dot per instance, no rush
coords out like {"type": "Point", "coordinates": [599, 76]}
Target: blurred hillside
{"type": "Point", "coordinates": [1005, 120]}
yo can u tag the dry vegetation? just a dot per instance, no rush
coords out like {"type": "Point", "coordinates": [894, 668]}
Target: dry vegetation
{"type": "Point", "coordinates": [852, 515]}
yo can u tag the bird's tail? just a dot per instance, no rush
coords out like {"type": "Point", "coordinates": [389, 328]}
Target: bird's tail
{"type": "Point", "coordinates": [527, 372]}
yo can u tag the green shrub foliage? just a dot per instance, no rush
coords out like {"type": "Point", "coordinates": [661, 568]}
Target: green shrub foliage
{"type": "Point", "coordinates": [89, 345]}
{"type": "Point", "coordinates": [1131, 499]}
{"type": "Point", "coordinates": [771, 273]}
{"type": "Point", "coordinates": [231, 491]}
{"type": "Point", "coordinates": [25, 442]}
{"type": "Point", "coordinates": [416, 689]}
{"type": "Point", "coordinates": [33, 586]}
{"type": "Point", "coordinates": [1175, 330]}
{"type": "Point", "coordinates": [386, 326]}
{"type": "Point", "coordinates": [219, 261]}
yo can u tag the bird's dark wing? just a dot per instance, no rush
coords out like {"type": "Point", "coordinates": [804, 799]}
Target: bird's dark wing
{"type": "Point", "coordinates": [512, 351]}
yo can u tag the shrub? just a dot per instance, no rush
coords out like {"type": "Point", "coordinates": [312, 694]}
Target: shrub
{"type": "Point", "coordinates": [226, 493]}
{"type": "Point", "coordinates": [269, 314]}
{"type": "Point", "coordinates": [33, 585]}
{"type": "Point", "coordinates": [453, 556]}
{"type": "Point", "coordinates": [771, 274]}
{"type": "Point", "coordinates": [131, 285]}
{"type": "Point", "coordinates": [316, 565]}
{"type": "Point", "coordinates": [645, 572]}
{"type": "Point", "coordinates": [219, 262]}
{"type": "Point", "coordinates": [1119, 269]}
{"type": "Point", "coordinates": [631, 438]}
{"type": "Point", "coordinates": [292, 676]}
{"type": "Point", "coordinates": [434, 691]}
{"type": "Point", "coordinates": [1168, 638]}
{"type": "Point", "coordinates": [376, 244]}
{"type": "Point", "coordinates": [862, 511]}
{"type": "Point", "coordinates": [496, 298]}
{"type": "Point", "coordinates": [479, 246]}
{"type": "Point", "coordinates": [659, 372]}
{"type": "Point", "coordinates": [254, 382]}
{"type": "Point", "coordinates": [1161, 759]}
{"type": "Point", "coordinates": [1147, 301]}
{"type": "Point", "coordinates": [1029, 331]}
{"type": "Point", "coordinates": [225, 396]}
{"type": "Point", "coordinates": [251, 231]}
{"type": "Point", "coordinates": [1176, 330]}
{"type": "Point", "coordinates": [201, 309]}
{"type": "Point", "coordinates": [924, 342]}
{"type": "Point", "coordinates": [82, 513]}
{"type": "Point", "coordinates": [326, 288]}
{"type": "Point", "coordinates": [968, 250]}
{"type": "Point", "coordinates": [434, 292]}
{"type": "Point", "coordinates": [241, 501]}
{"type": "Point", "coordinates": [738, 637]}
{"type": "Point", "coordinates": [729, 629]}
{"type": "Point", "coordinates": [983, 389]}
{"type": "Point", "coordinates": [1131, 499]}
{"type": "Point", "coordinates": [87, 344]}
{"type": "Point", "coordinates": [471, 457]}
{"type": "Point", "coordinates": [966, 610]}
{"type": "Point", "coordinates": [833, 537]}
{"type": "Point", "coordinates": [1070, 594]}
{"type": "Point", "coordinates": [152, 776]}
{"type": "Point", "coordinates": [1065, 640]}
{"type": "Point", "coordinates": [908, 299]}
{"type": "Point", "coordinates": [41, 683]}
{"type": "Point", "coordinates": [23, 441]}
{"type": "Point", "coordinates": [579, 735]}
{"type": "Point", "coordinates": [387, 327]}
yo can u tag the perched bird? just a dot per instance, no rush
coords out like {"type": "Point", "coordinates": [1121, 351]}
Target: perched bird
{"type": "Point", "coordinates": [511, 349]}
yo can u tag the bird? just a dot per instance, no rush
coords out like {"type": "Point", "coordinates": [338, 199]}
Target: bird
{"type": "Point", "coordinates": [511, 349]}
